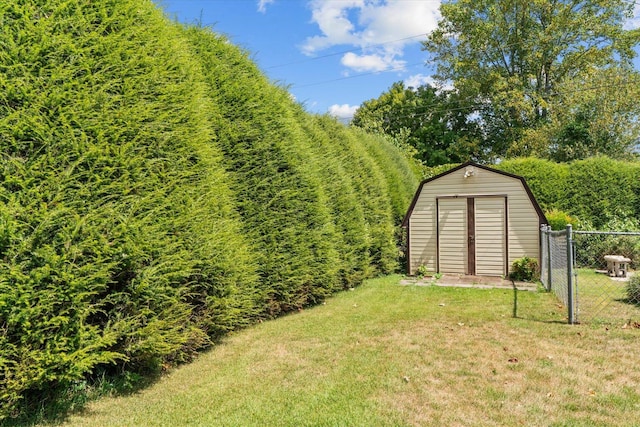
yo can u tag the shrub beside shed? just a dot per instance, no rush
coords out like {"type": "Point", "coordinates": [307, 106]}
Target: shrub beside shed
{"type": "Point", "coordinates": [472, 220]}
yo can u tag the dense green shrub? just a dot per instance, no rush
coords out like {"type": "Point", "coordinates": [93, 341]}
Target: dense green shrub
{"type": "Point", "coordinates": [120, 240]}
{"type": "Point", "coordinates": [280, 196]}
{"type": "Point", "coordinates": [558, 220]}
{"type": "Point", "coordinates": [348, 214]}
{"type": "Point", "coordinates": [546, 179]}
{"type": "Point", "coordinates": [633, 289]}
{"type": "Point", "coordinates": [157, 191]}
{"type": "Point", "coordinates": [525, 269]}
{"type": "Point", "coordinates": [373, 191]}
{"type": "Point", "coordinates": [399, 175]}
{"type": "Point", "coordinates": [600, 190]}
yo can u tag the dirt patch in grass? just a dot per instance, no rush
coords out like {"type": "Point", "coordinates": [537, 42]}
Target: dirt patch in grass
{"type": "Point", "coordinates": [466, 281]}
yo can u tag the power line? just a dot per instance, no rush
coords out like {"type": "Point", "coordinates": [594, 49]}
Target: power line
{"type": "Point", "coordinates": [315, 58]}
{"type": "Point", "coordinates": [400, 68]}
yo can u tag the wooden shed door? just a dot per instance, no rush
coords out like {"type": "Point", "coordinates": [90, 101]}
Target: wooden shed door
{"type": "Point", "coordinates": [452, 236]}
{"type": "Point", "coordinates": [472, 235]}
{"type": "Point", "coordinates": [490, 236]}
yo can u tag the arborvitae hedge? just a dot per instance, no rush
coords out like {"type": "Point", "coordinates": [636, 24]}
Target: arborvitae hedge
{"type": "Point", "coordinates": [598, 191]}
{"type": "Point", "coordinates": [373, 189]}
{"type": "Point", "coordinates": [278, 190]}
{"type": "Point", "coordinates": [157, 191]}
{"type": "Point", "coordinates": [354, 242]}
{"type": "Point", "coordinates": [120, 241]}
{"type": "Point", "coordinates": [546, 179]}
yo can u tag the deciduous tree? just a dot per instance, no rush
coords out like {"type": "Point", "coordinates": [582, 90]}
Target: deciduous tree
{"type": "Point", "coordinates": [435, 123]}
{"type": "Point", "coordinates": [512, 56]}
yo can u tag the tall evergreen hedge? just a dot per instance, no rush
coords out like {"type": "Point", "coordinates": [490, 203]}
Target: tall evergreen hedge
{"type": "Point", "coordinates": [157, 191]}
{"type": "Point", "coordinates": [120, 240]}
{"type": "Point", "coordinates": [278, 190]}
{"type": "Point", "coordinates": [598, 191]}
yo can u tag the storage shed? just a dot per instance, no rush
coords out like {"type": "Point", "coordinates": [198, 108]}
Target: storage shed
{"type": "Point", "coordinates": [472, 220]}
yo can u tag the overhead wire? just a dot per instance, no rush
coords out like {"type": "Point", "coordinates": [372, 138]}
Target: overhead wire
{"type": "Point", "coordinates": [342, 52]}
{"type": "Point", "coordinates": [399, 68]}
{"type": "Point", "coordinates": [502, 46]}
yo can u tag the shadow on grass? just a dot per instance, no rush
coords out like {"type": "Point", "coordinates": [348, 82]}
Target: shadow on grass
{"type": "Point", "coordinates": [628, 301]}
{"type": "Point", "coordinates": [53, 405]}
{"type": "Point", "coordinates": [535, 319]}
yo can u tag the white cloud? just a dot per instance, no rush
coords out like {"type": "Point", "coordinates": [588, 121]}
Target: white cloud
{"type": "Point", "coordinates": [422, 79]}
{"type": "Point", "coordinates": [374, 63]}
{"type": "Point", "coordinates": [262, 5]}
{"type": "Point", "coordinates": [343, 112]}
{"type": "Point", "coordinates": [379, 28]}
{"type": "Point", "coordinates": [418, 80]}
{"type": "Point", "coordinates": [634, 22]}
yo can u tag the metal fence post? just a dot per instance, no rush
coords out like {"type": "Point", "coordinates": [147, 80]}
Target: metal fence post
{"type": "Point", "coordinates": [570, 302]}
{"type": "Point", "coordinates": [549, 257]}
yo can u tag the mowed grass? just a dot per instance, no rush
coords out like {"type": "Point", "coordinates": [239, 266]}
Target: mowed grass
{"type": "Point", "coordinates": [391, 355]}
{"type": "Point", "coordinates": [603, 300]}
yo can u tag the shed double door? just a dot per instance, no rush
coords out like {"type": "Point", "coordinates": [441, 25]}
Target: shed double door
{"type": "Point", "coordinates": [472, 235]}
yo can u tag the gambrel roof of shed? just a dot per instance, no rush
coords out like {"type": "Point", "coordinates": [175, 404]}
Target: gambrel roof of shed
{"type": "Point", "coordinates": [542, 218]}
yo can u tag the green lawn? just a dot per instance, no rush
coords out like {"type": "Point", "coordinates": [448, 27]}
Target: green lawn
{"type": "Point", "coordinates": [603, 300]}
{"type": "Point", "coordinates": [391, 355]}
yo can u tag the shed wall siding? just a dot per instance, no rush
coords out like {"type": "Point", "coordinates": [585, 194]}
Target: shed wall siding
{"type": "Point", "coordinates": [452, 220]}
{"type": "Point", "coordinates": [490, 236]}
{"type": "Point", "coordinates": [523, 228]}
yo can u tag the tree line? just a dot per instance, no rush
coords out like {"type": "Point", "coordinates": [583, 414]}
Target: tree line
{"type": "Point", "coordinates": [514, 78]}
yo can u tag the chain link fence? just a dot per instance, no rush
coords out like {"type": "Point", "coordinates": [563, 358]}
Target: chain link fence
{"type": "Point", "coordinates": [605, 264]}
{"type": "Point", "coordinates": [554, 274]}
{"type": "Point", "coordinates": [593, 274]}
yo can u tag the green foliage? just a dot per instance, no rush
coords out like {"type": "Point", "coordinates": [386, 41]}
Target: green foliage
{"type": "Point", "coordinates": [633, 289]}
{"type": "Point", "coordinates": [280, 196]}
{"type": "Point", "coordinates": [157, 192]}
{"type": "Point", "coordinates": [120, 241]}
{"type": "Point", "coordinates": [558, 220]}
{"type": "Point", "coordinates": [601, 192]}
{"type": "Point", "coordinates": [591, 122]}
{"type": "Point", "coordinates": [430, 172]}
{"type": "Point", "coordinates": [524, 269]}
{"type": "Point", "coordinates": [516, 60]}
{"type": "Point", "coordinates": [423, 271]}
{"type": "Point", "coordinates": [433, 122]}
{"type": "Point", "coordinates": [373, 190]}
{"type": "Point", "coordinates": [546, 179]}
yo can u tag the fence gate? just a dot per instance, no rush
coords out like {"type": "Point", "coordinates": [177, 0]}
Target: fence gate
{"type": "Point", "coordinates": [590, 273]}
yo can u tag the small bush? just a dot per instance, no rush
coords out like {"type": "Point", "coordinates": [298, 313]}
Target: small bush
{"type": "Point", "coordinates": [633, 289]}
{"type": "Point", "coordinates": [524, 270]}
{"type": "Point", "coordinates": [558, 219]}
{"type": "Point", "coordinates": [423, 271]}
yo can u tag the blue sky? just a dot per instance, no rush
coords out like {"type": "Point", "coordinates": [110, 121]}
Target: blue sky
{"type": "Point", "coordinates": [331, 54]}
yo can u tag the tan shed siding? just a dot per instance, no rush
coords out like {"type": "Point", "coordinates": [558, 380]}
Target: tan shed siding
{"type": "Point", "coordinates": [524, 234]}
{"type": "Point", "coordinates": [490, 236]}
{"type": "Point", "coordinates": [422, 240]}
{"type": "Point", "coordinates": [452, 221]}
{"type": "Point", "coordinates": [422, 235]}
